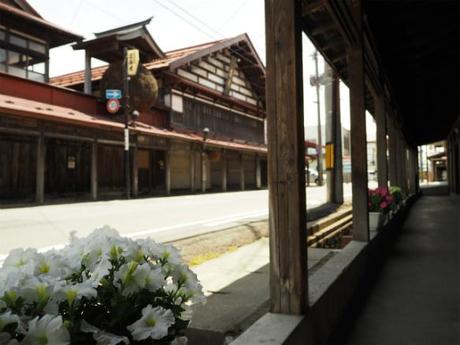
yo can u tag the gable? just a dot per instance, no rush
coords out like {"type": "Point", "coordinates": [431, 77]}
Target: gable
{"type": "Point", "coordinates": [22, 5]}
{"type": "Point", "coordinates": [221, 72]}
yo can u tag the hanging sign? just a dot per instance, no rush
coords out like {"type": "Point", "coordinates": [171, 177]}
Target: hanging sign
{"type": "Point", "coordinates": [329, 156]}
{"type": "Point", "coordinates": [112, 94]}
{"type": "Point", "coordinates": [133, 61]}
{"type": "Point", "coordinates": [113, 105]}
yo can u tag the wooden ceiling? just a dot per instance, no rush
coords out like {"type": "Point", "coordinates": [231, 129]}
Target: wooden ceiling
{"type": "Point", "coordinates": [411, 52]}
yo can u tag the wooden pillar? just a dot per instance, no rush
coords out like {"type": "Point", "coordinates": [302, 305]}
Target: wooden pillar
{"type": "Point", "coordinates": [358, 131]}
{"type": "Point", "coordinates": [286, 165]}
{"type": "Point", "coordinates": [192, 169]}
{"type": "Point", "coordinates": [380, 116]}
{"type": "Point", "coordinates": [224, 171]}
{"type": "Point", "coordinates": [333, 137]}
{"type": "Point", "coordinates": [242, 181]}
{"type": "Point", "coordinates": [135, 172]}
{"type": "Point", "coordinates": [40, 173]}
{"type": "Point", "coordinates": [94, 183]}
{"type": "Point", "coordinates": [87, 86]}
{"type": "Point", "coordinates": [392, 157]}
{"type": "Point", "coordinates": [203, 171]}
{"type": "Point", "coordinates": [168, 171]}
{"type": "Point", "coordinates": [258, 173]}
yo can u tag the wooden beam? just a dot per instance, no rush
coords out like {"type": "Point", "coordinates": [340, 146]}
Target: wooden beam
{"type": "Point", "coordinates": [286, 165]}
{"type": "Point", "coordinates": [358, 131]}
{"type": "Point", "coordinates": [40, 172]}
{"type": "Point", "coordinates": [87, 88]}
{"type": "Point", "coordinates": [392, 149]}
{"type": "Point", "coordinates": [94, 183]}
{"type": "Point", "coordinates": [309, 7]}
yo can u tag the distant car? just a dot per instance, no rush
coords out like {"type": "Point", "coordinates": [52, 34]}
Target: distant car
{"type": "Point", "coordinates": [313, 175]}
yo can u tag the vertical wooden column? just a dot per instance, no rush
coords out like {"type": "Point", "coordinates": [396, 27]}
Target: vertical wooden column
{"type": "Point", "coordinates": [135, 171]}
{"type": "Point", "coordinates": [242, 181]}
{"type": "Point", "coordinates": [258, 173]}
{"type": "Point", "coordinates": [286, 165]}
{"type": "Point", "coordinates": [192, 169]}
{"type": "Point", "coordinates": [168, 172]}
{"type": "Point", "coordinates": [87, 88]}
{"type": "Point", "coordinates": [392, 157]}
{"type": "Point", "coordinates": [203, 171]}
{"type": "Point", "coordinates": [358, 131]}
{"type": "Point", "coordinates": [224, 171]}
{"type": "Point", "coordinates": [333, 137]}
{"type": "Point", "coordinates": [94, 183]}
{"type": "Point", "coordinates": [40, 173]}
{"type": "Point", "coordinates": [380, 116]}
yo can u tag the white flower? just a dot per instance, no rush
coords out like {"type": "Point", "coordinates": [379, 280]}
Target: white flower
{"type": "Point", "coordinates": [160, 251]}
{"type": "Point", "coordinates": [103, 337]}
{"type": "Point", "coordinates": [188, 282]}
{"type": "Point", "coordinates": [21, 259]}
{"type": "Point", "coordinates": [148, 278]}
{"type": "Point", "coordinates": [154, 323]}
{"type": "Point", "coordinates": [8, 318]}
{"type": "Point", "coordinates": [124, 278]}
{"type": "Point", "coordinates": [48, 330]}
{"type": "Point", "coordinates": [5, 339]}
{"type": "Point", "coordinates": [50, 264]}
{"type": "Point", "coordinates": [74, 292]}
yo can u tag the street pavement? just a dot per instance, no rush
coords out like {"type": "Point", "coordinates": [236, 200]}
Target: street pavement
{"type": "Point", "coordinates": [162, 218]}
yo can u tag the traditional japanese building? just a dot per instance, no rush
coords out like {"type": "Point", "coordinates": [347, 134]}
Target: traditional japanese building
{"type": "Point", "coordinates": [204, 131]}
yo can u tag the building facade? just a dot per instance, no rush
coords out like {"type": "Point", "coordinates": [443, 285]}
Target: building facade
{"type": "Point", "coordinates": [204, 132]}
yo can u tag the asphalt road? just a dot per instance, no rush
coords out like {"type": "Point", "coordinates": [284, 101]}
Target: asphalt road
{"type": "Point", "coordinates": [162, 218]}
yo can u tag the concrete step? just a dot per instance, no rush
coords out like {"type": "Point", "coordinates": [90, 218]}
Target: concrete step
{"type": "Point", "coordinates": [317, 225]}
{"type": "Point", "coordinates": [339, 222]}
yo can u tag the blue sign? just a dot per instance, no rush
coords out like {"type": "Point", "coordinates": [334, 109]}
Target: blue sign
{"type": "Point", "coordinates": [113, 94]}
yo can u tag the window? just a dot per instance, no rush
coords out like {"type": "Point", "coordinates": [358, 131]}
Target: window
{"type": "Point", "coordinates": [18, 41]}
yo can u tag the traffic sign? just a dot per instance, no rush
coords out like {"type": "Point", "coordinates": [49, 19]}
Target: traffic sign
{"type": "Point", "coordinates": [113, 94]}
{"type": "Point", "coordinates": [113, 105]}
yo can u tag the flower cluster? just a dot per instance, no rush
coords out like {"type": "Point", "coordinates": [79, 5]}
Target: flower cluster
{"type": "Point", "coordinates": [380, 200]}
{"type": "Point", "coordinates": [103, 289]}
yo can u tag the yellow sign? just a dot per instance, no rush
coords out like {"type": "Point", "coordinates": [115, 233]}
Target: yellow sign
{"type": "Point", "coordinates": [133, 61]}
{"type": "Point", "coordinates": [330, 156]}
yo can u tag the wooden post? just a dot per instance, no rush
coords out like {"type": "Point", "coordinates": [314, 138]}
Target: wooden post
{"type": "Point", "coordinates": [192, 169]}
{"type": "Point", "coordinates": [333, 137]}
{"type": "Point", "coordinates": [242, 181]}
{"type": "Point", "coordinates": [258, 173]}
{"type": "Point", "coordinates": [87, 88]}
{"type": "Point", "coordinates": [380, 116]}
{"type": "Point", "coordinates": [392, 159]}
{"type": "Point", "coordinates": [168, 172]}
{"type": "Point", "coordinates": [286, 165]}
{"type": "Point", "coordinates": [135, 173]}
{"type": "Point", "coordinates": [224, 171]}
{"type": "Point", "coordinates": [358, 131]}
{"type": "Point", "coordinates": [94, 170]}
{"type": "Point", "coordinates": [40, 173]}
{"type": "Point", "coordinates": [203, 171]}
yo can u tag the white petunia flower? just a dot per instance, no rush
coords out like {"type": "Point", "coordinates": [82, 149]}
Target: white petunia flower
{"type": "Point", "coordinates": [124, 278]}
{"type": "Point", "coordinates": [21, 259]}
{"type": "Point", "coordinates": [188, 282]}
{"type": "Point", "coordinates": [74, 292]}
{"type": "Point", "coordinates": [103, 337]}
{"type": "Point", "coordinates": [148, 278]}
{"type": "Point", "coordinates": [35, 290]}
{"type": "Point", "coordinates": [48, 330]}
{"type": "Point", "coordinates": [8, 318]}
{"type": "Point", "coordinates": [154, 323]}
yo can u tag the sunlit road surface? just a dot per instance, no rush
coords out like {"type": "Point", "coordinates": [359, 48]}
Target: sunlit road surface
{"type": "Point", "coordinates": [162, 218]}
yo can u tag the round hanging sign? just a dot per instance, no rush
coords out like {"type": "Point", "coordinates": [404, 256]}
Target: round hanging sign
{"type": "Point", "coordinates": [113, 105]}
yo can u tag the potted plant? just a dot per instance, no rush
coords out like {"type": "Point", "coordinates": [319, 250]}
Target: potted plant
{"type": "Point", "coordinates": [398, 197]}
{"type": "Point", "coordinates": [103, 289]}
{"type": "Point", "coordinates": [379, 203]}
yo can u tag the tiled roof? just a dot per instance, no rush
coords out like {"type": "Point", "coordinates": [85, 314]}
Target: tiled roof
{"type": "Point", "coordinates": [32, 109]}
{"type": "Point", "coordinates": [97, 72]}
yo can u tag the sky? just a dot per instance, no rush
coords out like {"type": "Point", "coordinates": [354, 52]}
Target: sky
{"type": "Point", "coordinates": [177, 24]}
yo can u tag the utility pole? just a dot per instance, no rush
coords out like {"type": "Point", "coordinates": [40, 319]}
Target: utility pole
{"type": "Point", "coordinates": [126, 116]}
{"type": "Point", "coordinates": [319, 147]}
